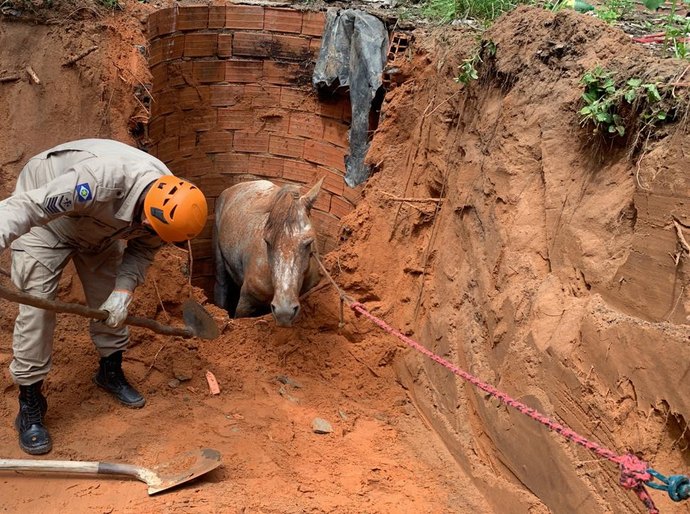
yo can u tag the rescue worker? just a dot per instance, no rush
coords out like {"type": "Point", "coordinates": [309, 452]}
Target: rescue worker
{"type": "Point", "coordinates": [108, 207]}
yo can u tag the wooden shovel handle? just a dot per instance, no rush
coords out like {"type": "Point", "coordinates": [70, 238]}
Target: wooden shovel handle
{"type": "Point", "coordinates": [88, 312]}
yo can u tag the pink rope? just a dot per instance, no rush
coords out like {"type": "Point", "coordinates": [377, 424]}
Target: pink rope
{"type": "Point", "coordinates": [633, 471]}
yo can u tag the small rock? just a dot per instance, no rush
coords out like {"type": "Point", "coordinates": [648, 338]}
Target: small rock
{"type": "Point", "coordinates": [342, 414]}
{"type": "Point", "coordinates": [288, 381]}
{"type": "Point", "coordinates": [321, 426]}
{"type": "Point", "coordinates": [174, 383]}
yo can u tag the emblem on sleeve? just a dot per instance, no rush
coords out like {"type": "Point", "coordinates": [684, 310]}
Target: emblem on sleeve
{"type": "Point", "coordinates": [83, 192]}
{"type": "Point", "coordinates": [58, 203]}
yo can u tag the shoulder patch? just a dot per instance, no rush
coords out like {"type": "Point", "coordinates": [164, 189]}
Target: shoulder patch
{"type": "Point", "coordinates": [58, 203]}
{"type": "Point", "coordinates": [83, 192]}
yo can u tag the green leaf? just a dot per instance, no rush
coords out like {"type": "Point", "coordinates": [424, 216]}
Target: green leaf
{"type": "Point", "coordinates": [620, 129]}
{"type": "Point", "coordinates": [635, 82]}
{"type": "Point", "coordinates": [661, 115]}
{"type": "Point", "coordinates": [630, 96]}
{"type": "Point", "coordinates": [653, 4]}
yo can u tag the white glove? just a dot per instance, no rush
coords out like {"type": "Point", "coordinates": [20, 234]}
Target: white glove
{"type": "Point", "coordinates": [116, 305]}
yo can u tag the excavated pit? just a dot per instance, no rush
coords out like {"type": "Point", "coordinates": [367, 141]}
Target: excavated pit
{"type": "Point", "coordinates": [489, 233]}
{"type": "Point", "coordinates": [233, 100]}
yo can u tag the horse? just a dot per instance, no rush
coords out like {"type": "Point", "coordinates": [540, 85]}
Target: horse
{"type": "Point", "coordinates": [262, 241]}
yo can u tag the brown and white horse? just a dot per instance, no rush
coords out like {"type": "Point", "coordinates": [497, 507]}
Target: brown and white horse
{"type": "Point", "coordinates": [263, 245]}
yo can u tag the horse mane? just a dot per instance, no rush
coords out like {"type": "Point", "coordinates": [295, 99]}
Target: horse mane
{"type": "Point", "coordinates": [284, 213]}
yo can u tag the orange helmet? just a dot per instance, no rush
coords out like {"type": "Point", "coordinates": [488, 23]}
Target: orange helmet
{"type": "Point", "coordinates": [176, 209]}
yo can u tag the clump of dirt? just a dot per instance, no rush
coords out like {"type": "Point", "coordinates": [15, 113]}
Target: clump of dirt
{"type": "Point", "coordinates": [490, 232]}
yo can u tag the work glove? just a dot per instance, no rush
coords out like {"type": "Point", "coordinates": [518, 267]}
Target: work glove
{"type": "Point", "coordinates": [116, 305]}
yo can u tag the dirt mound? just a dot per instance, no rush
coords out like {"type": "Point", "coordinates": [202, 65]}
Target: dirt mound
{"type": "Point", "coordinates": [492, 232]}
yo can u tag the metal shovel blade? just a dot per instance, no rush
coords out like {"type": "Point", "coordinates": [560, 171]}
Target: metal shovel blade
{"type": "Point", "coordinates": [182, 468]}
{"type": "Point", "coordinates": [199, 321]}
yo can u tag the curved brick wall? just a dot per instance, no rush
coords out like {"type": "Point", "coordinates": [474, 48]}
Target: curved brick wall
{"type": "Point", "coordinates": [232, 100]}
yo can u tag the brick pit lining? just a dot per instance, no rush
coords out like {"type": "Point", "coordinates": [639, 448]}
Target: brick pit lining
{"type": "Point", "coordinates": [232, 101]}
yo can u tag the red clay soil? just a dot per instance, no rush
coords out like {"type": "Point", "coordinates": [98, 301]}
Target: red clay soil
{"type": "Point", "coordinates": [544, 270]}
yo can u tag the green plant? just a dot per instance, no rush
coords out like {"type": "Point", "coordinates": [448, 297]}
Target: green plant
{"type": "Point", "coordinates": [675, 28]}
{"type": "Point", "coordinates": [611, 107]}
{"type": "Point", "coordinates": [483, 10]}
{"type": "Point", "coordinates": [468, 68]}
{"type": "Point", "coordinates": [613, 10]}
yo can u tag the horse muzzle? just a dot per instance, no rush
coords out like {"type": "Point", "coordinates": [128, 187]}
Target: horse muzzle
{"type": "Point", "coordinates": [285, 313]}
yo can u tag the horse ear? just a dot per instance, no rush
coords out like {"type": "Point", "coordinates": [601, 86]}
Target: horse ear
{"type": "Point", "coordinates": [309, 198]}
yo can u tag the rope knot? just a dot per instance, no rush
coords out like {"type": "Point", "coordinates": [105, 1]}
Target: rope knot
{"type": "Point", "coordinates": [634, 471]}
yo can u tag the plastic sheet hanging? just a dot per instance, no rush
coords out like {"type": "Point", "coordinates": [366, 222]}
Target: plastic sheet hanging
{"type": "Point", "coordinates": [353, 55]}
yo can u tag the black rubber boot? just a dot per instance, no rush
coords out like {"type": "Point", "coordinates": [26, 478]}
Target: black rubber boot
{"type": "Point", "coordinates": [34, 438]}
{"type": "Point", "coordinates": [111, 378]}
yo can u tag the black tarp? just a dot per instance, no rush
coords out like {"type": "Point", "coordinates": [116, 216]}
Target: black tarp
{"type": "Point", "coordinates": [353, 54]}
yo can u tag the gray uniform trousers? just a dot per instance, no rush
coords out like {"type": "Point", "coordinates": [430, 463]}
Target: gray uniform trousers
{"type": "Point", "coordinates": [38, 273]}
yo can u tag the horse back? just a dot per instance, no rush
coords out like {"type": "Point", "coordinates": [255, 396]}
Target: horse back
{"type": "Point", "coordinates": [241, 212]}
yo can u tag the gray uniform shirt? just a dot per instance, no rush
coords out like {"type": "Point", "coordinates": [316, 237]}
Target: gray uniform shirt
{"type": "Point", "coordinates": [84, 194]}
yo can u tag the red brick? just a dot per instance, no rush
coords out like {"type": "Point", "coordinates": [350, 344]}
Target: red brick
{"type": "Point", "coordinates": [224, 45]}
{"type": "Point", "coordinates": [243, 71]}
{"type": "Point", "coordinates": [314, 23]}
{"type": "Point", "coordinates": [203, 268]}
{"type": "Point", "coordinates": [306, 125]}
{"type": "Point", "coordinates": [306, 100]}
{"type": "Point", "coordinates": [201, 248]}
{"type": "Point", "coordinates": [192, 17]}
{"type": "Point", "coordinates": [152, 25]}
{"type": "Point", "coordinates": [159, 76]}
{"type": "Point", "coordinates": [314, 48]}
{"type": "Point", "coordinates": [299, 171]}
{"type": "Point", "coordinates": [299, 99]}
{"type": "Point", "coordinates": [244, 17]}
{"type": "Point", "coordinates": [224, 95]}
{"type": "Point", "coordinates": [282, 20]}
{"type": "Point", "coordinates": [187, 144]}
{"type": "Point", "coordinates": [271, 120]}
{"type": "Point", "coordinates": [265, 166]}
{"type": "Point", "coordinates": [290, 47]}
{"type": "Point", "coordinates": [323, 200]}
{"type": "Point", "coordinates": [180, 73]}
{"type": "Point", "coordinates": [353, 194]}
{"type": "Point", "coordinates": [215, 141]}
{"type": "Point", "coordinates": [285, 146]}
{"type": "Point", "coordinates": [201, 119]}
{"type": "Point", "coordinates": [251, 142]}
{"type": "Point", "coordinates": [167, 148]}
{"type": "Point", "coordinates": [333, 181]}
{"type": "Point", "coordinates": [209, 71]}
{"type": "Point", "coordinates": [166, 20]}
{"type": "Point", "coordinates": [212, 185]}
{"type": "Point", "coordinates": [216, 16]}
{"type": "Point", "coordinates": [193, 97]}
{"type": "Point", "coordinates": [234, 119]}
{"type": "Point", "coordinates": [252, 44]}
{"type": "Point", "coordinates": [283, 73]}
{"type": "Point", "coordinates": [335, 132]}
{"type": "Point", "coordinates": [173, 122]}
{"type": "Point", "coordinates": [172, 47]}
{"type": "Point", "coordinates": [324, 153]}
{"type": "Point", "coordinates": [231, 163]}
{"type": "Point", "coordinates": [166, 102]}
{"type": "Point", "coordinates": [155, 52]}
{"type": "Point", "coordinates": [340, 207]}
{"type": "Point", "coordinates": [156, 128]}
{"type": "Point", "coordinates": [198, 165]}
{"type": "Point", "coordinates": [201, 44]}
{"type": "Point", "coordinates": [327, 227]}
{"type": "Point", "coordinates": [261, 95]}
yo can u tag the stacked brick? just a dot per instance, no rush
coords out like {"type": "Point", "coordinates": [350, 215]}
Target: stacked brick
{"type": "Point", "coordinates": [232, 101]}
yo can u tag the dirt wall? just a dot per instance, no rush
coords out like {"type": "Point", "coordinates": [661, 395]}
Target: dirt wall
{"type": "Point", "coordinates": [544, 265]}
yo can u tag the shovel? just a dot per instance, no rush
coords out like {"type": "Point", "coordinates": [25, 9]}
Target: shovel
{"type": "Point", "coordinates": [181, 469]}
{"type": "Point", "coordinates": [199, 323]}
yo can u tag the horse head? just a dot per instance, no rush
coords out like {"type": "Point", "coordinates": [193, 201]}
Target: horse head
{"type": "Point", "coordinates": [289, 236]}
